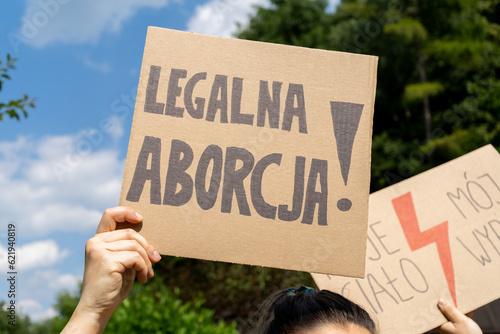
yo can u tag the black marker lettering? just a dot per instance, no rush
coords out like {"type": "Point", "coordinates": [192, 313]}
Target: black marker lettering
{"type": "Point", "coordinates": [150, 104]}
{"type": "Point", "coordinates": [214, 104]}
{"type": "Point", "coordinates": [173, 92]}
{"type": "Point", "coordinates": [236, 116]}
{"type": "Point", "coordinates": [319, 168]}
{"type": "Point", "coordinates": [176, 174]}
{"type": "Point", "coordinates": [206, 198]}
{"type": "Point", "coordinates": [295, 90]}
{"type": "Point", "coordinates": [151, 146]}
{"type": "Point", "coordinates": [298, 193]}
{"type": "Point", "coordinates": [197, 112]}
{"type": "Point", "coordinates": [271, 105]}
{"type": "Point", "coordinates": [260, 205]}
{"type": "Point", "coordinates": [233, 179]}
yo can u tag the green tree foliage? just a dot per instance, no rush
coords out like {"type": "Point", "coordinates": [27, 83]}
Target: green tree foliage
{"type": "Point", "coordinates": [202, 290]}
{"type": "Point", "coordinates": [282, 24]}
{"type": "Point", "coordinates": [150, 308]}
{"type": "Point", "coordinates": [65, 306]}
{"type": "Point", "coordinates": [13, 108]}
{"type": "Point", "coordinates": [439, 62]}
{"type": "Point", "coordinates": [12, 323]}
{"type": "Point", "coordinates": [153, 308]}
{"type": "Point", "coordinates": [234, 291]}
{"type": "Point", "coordinates": [22, 324]}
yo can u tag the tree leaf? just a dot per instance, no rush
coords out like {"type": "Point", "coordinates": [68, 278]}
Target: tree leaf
{"type": "Point", "coordinates": [13, 114]}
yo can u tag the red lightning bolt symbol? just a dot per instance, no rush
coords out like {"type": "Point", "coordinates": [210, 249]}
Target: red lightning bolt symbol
{"type": "Point", "coordinates": [405, 210]}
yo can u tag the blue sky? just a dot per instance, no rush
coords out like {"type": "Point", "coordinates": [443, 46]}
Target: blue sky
{"type": "Point", "coordinates": [63, 165]}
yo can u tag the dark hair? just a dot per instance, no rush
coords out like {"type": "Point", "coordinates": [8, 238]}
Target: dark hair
{"type": "Point", "coordinates": [295, 310]}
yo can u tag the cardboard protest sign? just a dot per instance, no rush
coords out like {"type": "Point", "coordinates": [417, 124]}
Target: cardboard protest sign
{"type": "Point", "coordinates": [436, 235]}
{"type": "Point", "coordinates": [251, 152]}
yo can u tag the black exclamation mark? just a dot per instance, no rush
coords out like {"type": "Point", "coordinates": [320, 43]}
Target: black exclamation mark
{"type": "Point", "coordinates": [345, 118]}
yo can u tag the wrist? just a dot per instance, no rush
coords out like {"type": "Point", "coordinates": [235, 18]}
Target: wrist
{"type": "Point", "coordinates": [86, 321]}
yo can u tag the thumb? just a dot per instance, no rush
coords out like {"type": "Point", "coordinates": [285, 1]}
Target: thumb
{"type": "Point", "coordinates": [450, 311]}
{"type": "Point", "coordinates": [119, 214]}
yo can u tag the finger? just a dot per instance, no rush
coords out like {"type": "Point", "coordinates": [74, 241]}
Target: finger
{"type": "Point", "coordinates": [131, 260]}
{"type": "Point", "coordinates": [131, 246]}
{"type": "Point", "coordinates": [102, 253]}
{"type": "Point", "coordinates": [115, 215]}
{"type": "Point", "coordinates": [450, 311]}
{"type": "Point", "coordinates": [129, 234]}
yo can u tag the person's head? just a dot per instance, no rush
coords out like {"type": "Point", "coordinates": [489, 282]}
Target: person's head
{"type": "Point", "coordinates": [305, 310]}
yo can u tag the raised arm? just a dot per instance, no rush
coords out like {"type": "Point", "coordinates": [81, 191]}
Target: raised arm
{"type": "Point", "coordinates": [112, 260]}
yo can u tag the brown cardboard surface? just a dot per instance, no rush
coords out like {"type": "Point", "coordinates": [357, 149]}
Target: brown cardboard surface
{"type": "Point", "coordinates": [436, 235]}
{"type": "Point", "coordinates": [252, 152]}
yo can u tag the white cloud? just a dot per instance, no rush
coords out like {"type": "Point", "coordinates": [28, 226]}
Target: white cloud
{"type": "Point", "coordinates": [36, 298]}
{"type": "Point", "coordinates": [58, 281]}
{"type": "Point", "coordinates": [47, 22]}
{"type": "Point", "coordinates": [37, 283]}
{"type": "Point", "coordinates": [60, 183]}
{"type": "Point", "coordinates": [220, 17]}
{"type": "Point", "coordinates": [35, 310]}
{"type": "Point", "coordinates": [38, 254]}
{"type": "Point", "coordinates": [56, 184]}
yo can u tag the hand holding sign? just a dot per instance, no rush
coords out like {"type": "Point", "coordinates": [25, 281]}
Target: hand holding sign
{"type": "Point", "coordinates": [112, 259]}
{"type": "Point", "coordinates": [458, 323]}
